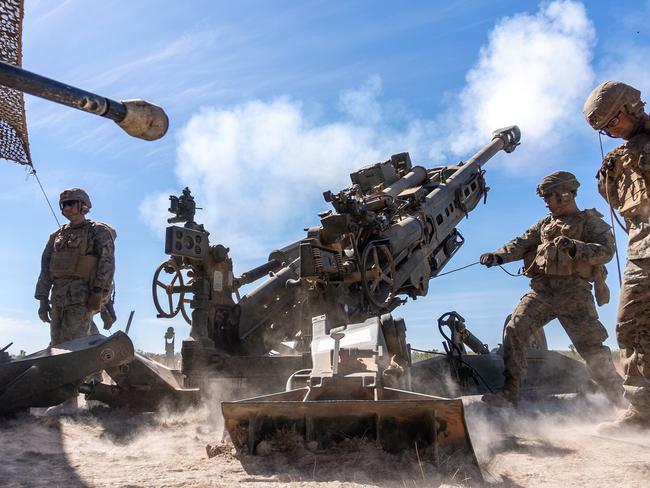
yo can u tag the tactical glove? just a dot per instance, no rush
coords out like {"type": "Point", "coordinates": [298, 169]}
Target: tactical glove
{"type": "Point", "coordinates": [490, 259]}
{"type": "Point", "coordinates": [564, 244]}
{"type": "Point", "coordinates": [44, 310]}
{"type": "Point", "coordinates": [94, 302]}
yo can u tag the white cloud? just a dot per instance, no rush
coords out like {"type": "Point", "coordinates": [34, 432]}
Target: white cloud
{"type": "Point", "coordinates": [361, 104]}
{"type": "Point", "coordinates": [534, 72]}
{"type": "Point", "coordinates": [153, 208]}
{"type": "Point", "coordinates": [259, 168]}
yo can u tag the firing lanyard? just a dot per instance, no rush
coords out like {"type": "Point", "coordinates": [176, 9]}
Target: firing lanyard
{"type": "Point", "coordinates": [475, 263]}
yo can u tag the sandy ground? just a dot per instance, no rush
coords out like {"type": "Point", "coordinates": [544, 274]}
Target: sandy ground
{"type": "Point", "coordinates": [546, 443]}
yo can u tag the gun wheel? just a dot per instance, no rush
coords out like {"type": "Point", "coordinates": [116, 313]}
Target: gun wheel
{"type": "Point", "coordinates": [158, 283]}
{"type": "Point", "coordinates": [378, 275]}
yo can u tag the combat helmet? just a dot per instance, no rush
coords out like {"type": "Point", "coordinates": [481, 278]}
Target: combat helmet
{"type": "Point", "coordinates": [76, 194]}
{"type": "Point", "coordinates": [610, 98]}
{"type": "Point", "coordinates": [558, 182]}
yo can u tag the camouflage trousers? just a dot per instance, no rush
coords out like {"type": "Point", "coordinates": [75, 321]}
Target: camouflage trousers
{"type": "Point", "coordinates": [70, 322]}
{"type": "Point", "coordinates": [633, 332]}
{"type": "Point", "coordinates": [569, 300]}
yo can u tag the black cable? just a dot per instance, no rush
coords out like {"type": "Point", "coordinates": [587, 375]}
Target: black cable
{"type": "Point", "coordinates": [33, 172]}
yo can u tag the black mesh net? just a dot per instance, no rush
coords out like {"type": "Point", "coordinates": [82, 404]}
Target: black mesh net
{"type": "Point", "coordinates": [14, 144]}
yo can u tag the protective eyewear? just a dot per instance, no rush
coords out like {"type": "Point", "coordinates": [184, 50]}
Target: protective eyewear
{"type": "Point", "coordinates": [613, 122]}
{"type": "Point", "coordinates": [68, 203]}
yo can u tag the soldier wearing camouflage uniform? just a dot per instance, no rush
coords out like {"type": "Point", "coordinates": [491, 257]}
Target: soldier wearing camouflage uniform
{"type": "Point", "coordinates": [562, 254]}
{"type": "Point", "coordinates": [77, 269]}
{"type": "Point", "coordinates": [616, 110]}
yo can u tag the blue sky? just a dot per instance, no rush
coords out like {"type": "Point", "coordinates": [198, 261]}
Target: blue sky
{"type": "Point", "coordinates": [271, 103]}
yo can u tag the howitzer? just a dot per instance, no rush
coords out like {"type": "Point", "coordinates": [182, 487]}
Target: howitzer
{"type": "Point", "coordinates": [388, 235]}
{"type": "Point", "coordinates": [137, 118]}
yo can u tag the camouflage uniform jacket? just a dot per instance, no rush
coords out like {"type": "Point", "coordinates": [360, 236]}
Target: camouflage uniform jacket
{"type": "Point", "coordinates": [623, 181]}
{"type": "Point", "coordinates": [98, 239]}
{"type": "Point", "coordinates": [593, 240]}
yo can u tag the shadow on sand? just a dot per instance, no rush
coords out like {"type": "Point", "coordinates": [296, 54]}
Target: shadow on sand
{"type": "Point", "coordinates": [32, 454]}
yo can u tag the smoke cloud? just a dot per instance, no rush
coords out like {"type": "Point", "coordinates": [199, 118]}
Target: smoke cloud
{"type": "Point", "coordinates": [535, 72]}
{"type": "Point", "coordinates": [259, 168]}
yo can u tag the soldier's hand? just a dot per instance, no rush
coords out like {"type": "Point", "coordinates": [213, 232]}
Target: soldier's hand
{"type": "Point", "coordinates": [94, 302]}
{"type": "Point", "coordinates": [108, 316]}
{"type": "Point", "coordinates": [490, 259]}
{"type": "Point", "coordinates": [44, 311]}
{"type": "Point", "coordinates": [565, 244]}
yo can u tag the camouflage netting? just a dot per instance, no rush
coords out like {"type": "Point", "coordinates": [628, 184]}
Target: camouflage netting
{"type": "Point", "coordinates": [14, 144]}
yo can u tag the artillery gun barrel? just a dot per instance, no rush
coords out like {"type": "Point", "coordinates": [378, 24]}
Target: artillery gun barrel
{"type": "Point", "coordinates": [437, 203]}
{"type": "Point", "coordinates": [137, 118]}
{"type": "Point", "coordinates": [448, 202]}
{"type": "Point", "coordinates": [506, 139]}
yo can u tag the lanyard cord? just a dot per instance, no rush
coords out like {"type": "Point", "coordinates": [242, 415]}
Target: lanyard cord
{"type": "Point", "coordinates": [457, 269]}
{"type": "Point", "coordinates": [612, 214]}
{"type": "Point", "coordinates": [522, 273]}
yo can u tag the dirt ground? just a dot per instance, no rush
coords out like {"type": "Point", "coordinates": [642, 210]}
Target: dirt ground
{"type": "Point", "coordinates": [553, 442]}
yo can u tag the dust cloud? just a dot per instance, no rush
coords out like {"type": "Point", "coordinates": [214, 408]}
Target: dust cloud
{"type": "Point", "coordinates": [549, 442]}
{"type": "Point", "coordinates": [556, 441]}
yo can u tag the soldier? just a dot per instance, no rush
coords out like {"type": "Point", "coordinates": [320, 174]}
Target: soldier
{"type": "Point", "coordinates": [616, 109]}
{"type": "Point", "coordinates": [562, 254]}
{"type": "Point", "coordinates": [77, 270]}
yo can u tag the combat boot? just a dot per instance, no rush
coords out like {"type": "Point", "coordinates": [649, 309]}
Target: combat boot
{"type": "Point", "coordinates": [631, 421]}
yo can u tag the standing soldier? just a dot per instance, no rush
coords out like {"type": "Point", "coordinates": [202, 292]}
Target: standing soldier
{"type": "Point", "coordinates": [562, 253]}
{"type": "Point", "coordinates": [616, 110]}
{"type": "Point", "coordinates": [77, 269]}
